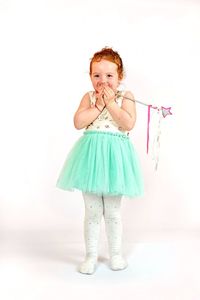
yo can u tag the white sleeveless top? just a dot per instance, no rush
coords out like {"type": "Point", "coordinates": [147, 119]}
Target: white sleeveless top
{"type": "Point", "coordinates": [105, 122]}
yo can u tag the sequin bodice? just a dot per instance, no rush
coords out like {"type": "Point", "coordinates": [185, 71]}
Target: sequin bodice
{"type": "Point", "coordinates": [105, 122]}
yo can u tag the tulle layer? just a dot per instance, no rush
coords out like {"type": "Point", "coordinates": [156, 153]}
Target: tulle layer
{"type": "Point", "coordinates": [103, 163]}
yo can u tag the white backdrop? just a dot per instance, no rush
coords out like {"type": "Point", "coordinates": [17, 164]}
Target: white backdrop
{"type": "Point", "coordinates": [44, 61]}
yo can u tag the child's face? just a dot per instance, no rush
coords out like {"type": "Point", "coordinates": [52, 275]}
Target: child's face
{"type": "Point", "coordinates": [104, 73]}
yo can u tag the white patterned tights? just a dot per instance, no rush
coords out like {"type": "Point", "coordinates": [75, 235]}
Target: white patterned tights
{"type": "Point", "coordinates": [95, 208]}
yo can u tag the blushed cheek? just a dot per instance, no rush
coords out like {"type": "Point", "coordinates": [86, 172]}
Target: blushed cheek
{"type": "Point", "coordinates": [97, 86]}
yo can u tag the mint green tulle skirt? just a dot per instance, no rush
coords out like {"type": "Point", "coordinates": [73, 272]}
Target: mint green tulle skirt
{"type": "Point", "coordinates": [104, 163]}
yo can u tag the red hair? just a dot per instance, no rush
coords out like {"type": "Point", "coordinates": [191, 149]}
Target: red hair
{"type": "Point", "coordinates": [110, 55]}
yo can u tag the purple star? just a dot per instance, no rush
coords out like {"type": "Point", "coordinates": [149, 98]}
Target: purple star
{"type": "Point", "coordinates": [166, 111]}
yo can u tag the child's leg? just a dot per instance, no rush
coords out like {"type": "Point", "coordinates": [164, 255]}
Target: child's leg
{"type": "Point", "coordinates": [113, 226]}
{"type": "Point", "coordinates": [93, 216]}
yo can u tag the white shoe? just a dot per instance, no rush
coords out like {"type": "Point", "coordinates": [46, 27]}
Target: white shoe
{"type": "Point", "coordinates": [88, 266]}
{"type": "Point", "coordinates": [117, 262]}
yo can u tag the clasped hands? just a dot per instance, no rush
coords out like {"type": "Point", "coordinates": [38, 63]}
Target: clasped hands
{"type": "Point", "coordinates": [104, 97]}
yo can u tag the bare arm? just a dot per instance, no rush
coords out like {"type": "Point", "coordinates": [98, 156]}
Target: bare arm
{"type": "Point", "coordinates": [124, 116]}
{"type": "Point", "coordinates": [86, 114]}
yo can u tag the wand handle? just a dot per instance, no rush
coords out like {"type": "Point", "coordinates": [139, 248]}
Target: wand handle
{"type": "Point", "coordinates": [134, 100]}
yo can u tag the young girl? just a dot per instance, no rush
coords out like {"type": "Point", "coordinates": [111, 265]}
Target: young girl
{"type": "Point", "coordinates": [103, 163]}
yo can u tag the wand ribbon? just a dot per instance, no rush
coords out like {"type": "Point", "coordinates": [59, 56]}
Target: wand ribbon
{"type": "Point", "coordinates": [163, 112]}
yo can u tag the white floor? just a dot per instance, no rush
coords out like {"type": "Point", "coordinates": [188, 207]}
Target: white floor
{"type": "Point", "coordinates": [40, 266]}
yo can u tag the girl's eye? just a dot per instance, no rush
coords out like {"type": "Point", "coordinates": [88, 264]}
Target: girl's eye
{"type": "Point", "coordinates": [96, 76]}
{"type": "Point", "coordinates": [109, 75]}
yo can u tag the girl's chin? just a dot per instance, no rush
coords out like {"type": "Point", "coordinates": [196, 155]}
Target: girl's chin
{"type": "Point", "coordinates": [98, 89]}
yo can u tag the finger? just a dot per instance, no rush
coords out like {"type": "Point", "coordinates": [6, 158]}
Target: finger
{"type": "Point", "coordinates": [108, 88]}
{"type": "Point", "coordinates": [108, 94]}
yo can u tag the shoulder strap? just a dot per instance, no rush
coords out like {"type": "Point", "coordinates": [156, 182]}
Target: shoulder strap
{"type": "Point", "coordinates": [92, 97]}
{"type": "Point", "coordinates": [120, 97]}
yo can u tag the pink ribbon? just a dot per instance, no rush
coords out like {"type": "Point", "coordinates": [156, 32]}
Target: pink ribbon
{"type": "Point", "coordinates": [148, 122]}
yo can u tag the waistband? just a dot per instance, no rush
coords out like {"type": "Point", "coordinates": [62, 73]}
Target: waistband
{"type": "Point", "coordinates": [119, 134]}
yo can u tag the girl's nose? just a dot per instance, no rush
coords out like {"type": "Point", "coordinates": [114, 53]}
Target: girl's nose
{"type": "Point", "coordinates": [103, 83]}
{"type": "Point", "coordinates": [103, 79]}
